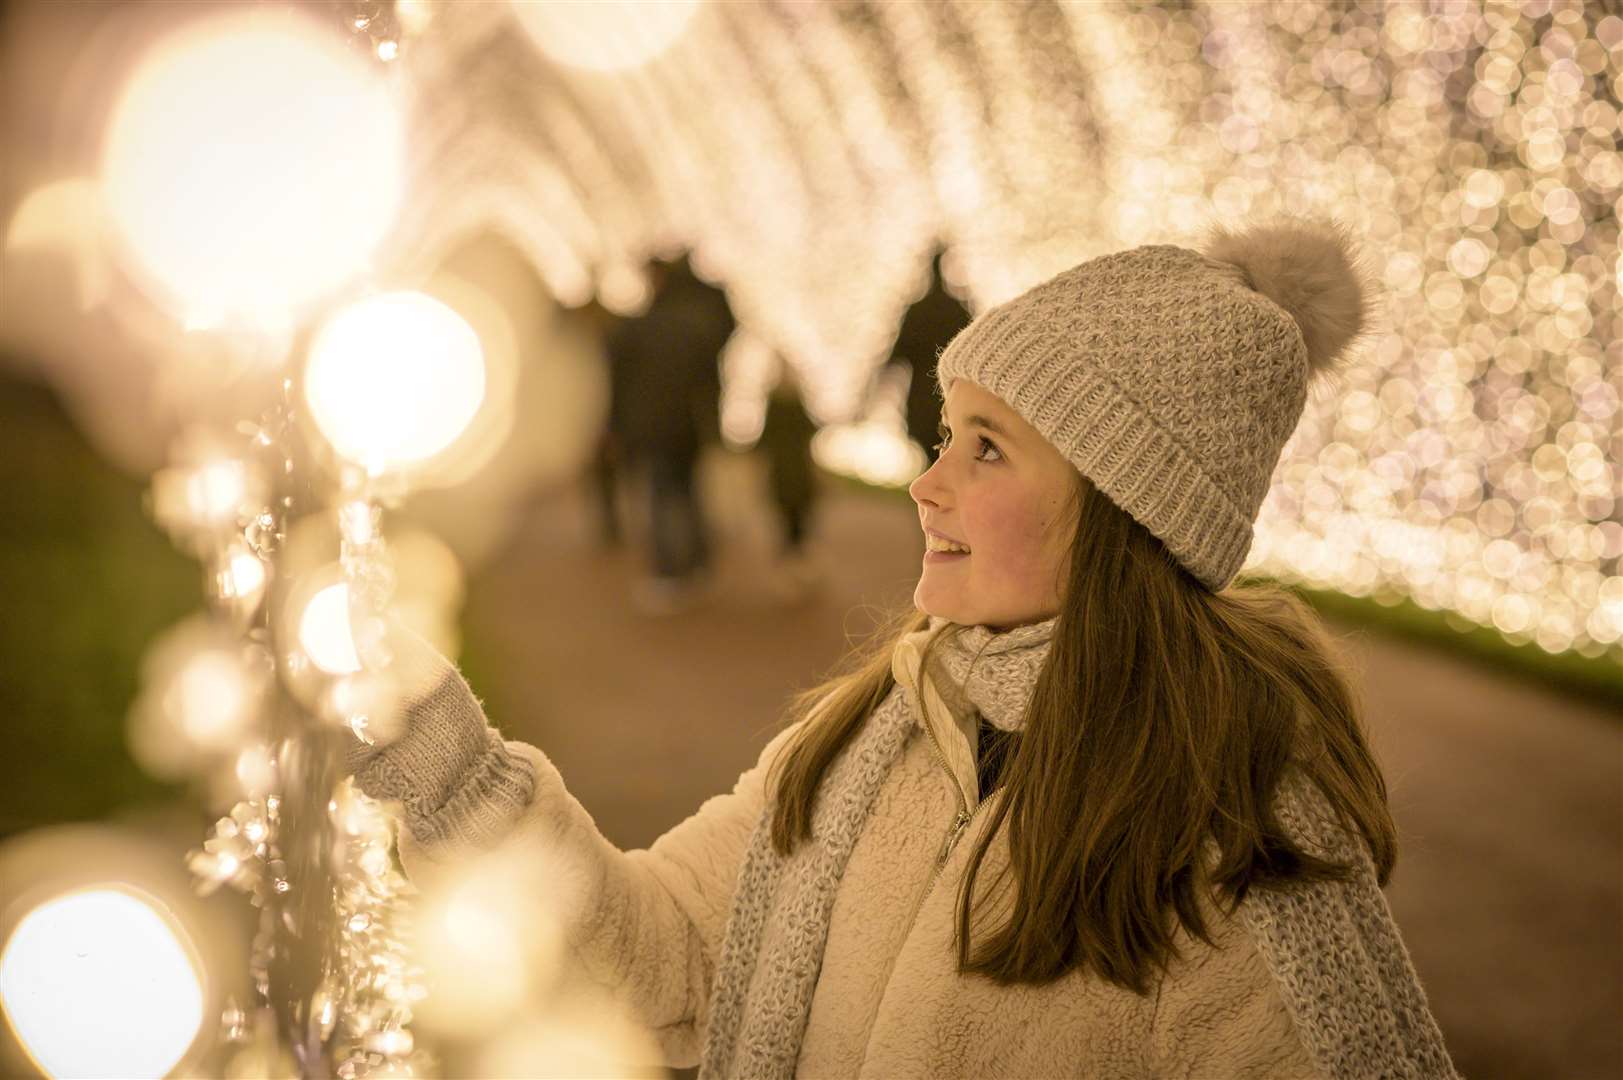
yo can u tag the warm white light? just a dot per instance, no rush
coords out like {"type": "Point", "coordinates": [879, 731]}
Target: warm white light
{"type": "Point", "coordinates": [251, 164]}
{"type": "Point", "coordinates": [215, 490]}
{"type": "Point", "coordinates": [475, 918]}
{"type": "Point", "coordinates": [876, 452]}
{"type": "Point", "coordinates": [325, 632]}
{"type": "Point", "coordinates": [414, 15]}
{"type": "Point", "coordinates": [201, 693]}
{"type": "Point", "coordinates": [213, 699]}
{"type": "Point", "coordinates": [394, 379]}
{"type": "Point", "coordinates": [604, 35]}
{"type": "Point", "coordinates": [587, 1035]}
{"type": "Point", "coordinates": [97, 983]}
{"type": "Point", "coordinates": [204, 495]}
{"type": "Point", "coordinates": [255, 771]}
{"type": "Point", "coordinates": [60, 216]}
{"type": "Point", "coordinates": [243, 574]}
{"type": "Point", "coordinates": [502, 912]}
{"type": "Point", "coordinates": [358, 521]}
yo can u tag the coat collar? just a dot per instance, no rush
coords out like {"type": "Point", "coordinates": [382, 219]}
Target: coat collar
{"type": "Point", "coordinates": [977, 668]}
{"type": "Point", "coordinates": [974, 671]}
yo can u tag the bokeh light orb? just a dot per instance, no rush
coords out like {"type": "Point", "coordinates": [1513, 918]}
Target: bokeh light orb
{"type": "Point", "coordinates": [98, 982]}
{"type": "Point", "coordinates": [202, 689]}
{"type": "Point", "coordinates": [473, 919]}
{"type": "Point", "coordinates": [604, 35]}
{"type": "Point", "coordinates": [873, 451]}
{"type": "Point", "coordinates": [251, 165]}
{"type": "Point", "coordinates": [326, 634]}
{"type": "Point", "coordinates": [394, 380]}
{"type": "Point", "coordinates": [59, 216]}
{"type": "Point", "coordinates": [214, 698]}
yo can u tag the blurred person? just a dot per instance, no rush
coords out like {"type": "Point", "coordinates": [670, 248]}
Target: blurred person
{"type": "Point", "coordinates": [603, 472]}
{"type": "Point", "coordinates": [1091, 806]}
{"type": "Point", "coordinates": [928, 325]}
{"type": "Point", "coordinates": [605, 466]}
{"type": "Point", "coordinates": [665, 390]}
{"type": "Point", "coordinates": [786, 438]}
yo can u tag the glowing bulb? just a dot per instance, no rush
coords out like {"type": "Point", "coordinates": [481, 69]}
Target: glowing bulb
{"type": "Point", "coordinates": [394, 379]}
{"type": "Point", "coordinates": [605, 35]}
{"type": "Point", "coordinates": [256, 771]}
{"type": "Point", "coordinates": [877, 452]}
{"type": "Point", "coordinates": [104, 962]}
{"type": "Point", "coordinates": [251, 164]}
{"type": "Point", "coordinates": [212, 699]}
{"type": "Point", "coordinates": [217, 488]}
{"type": "Point", "coordinates": [358, 522]}
{"type": "Point", "coordinates": [202, 689]}
{"type": "Point", "coordinates": [58, 216]}
{"type": "Point", "coordinates": [389, 1043]}
{"type": "Point", "coordinates": [243, 574]}
{"type": "Point", "coordinates": [485, 911]}
{"type": "Point", "coordinates": [325, 632]}
{"type": "Point", "coordinates": [414, 15]}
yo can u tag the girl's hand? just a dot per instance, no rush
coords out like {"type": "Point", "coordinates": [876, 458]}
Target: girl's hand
{"type": "Point", "coordinates": [448, 768]}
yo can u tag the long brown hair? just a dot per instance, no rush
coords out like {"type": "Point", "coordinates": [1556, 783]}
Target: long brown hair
{"type": "Point", "coordinates": [1164, 717]}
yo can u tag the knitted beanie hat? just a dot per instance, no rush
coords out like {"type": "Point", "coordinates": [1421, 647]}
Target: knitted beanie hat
{"type": "Point", "coordinates": [1172, 378]}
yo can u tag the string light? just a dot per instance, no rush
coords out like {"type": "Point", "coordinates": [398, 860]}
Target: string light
{"type": "Point", "coordinates": [1467, 462]}
{"type": "Point", "coordinates": [376, 984]}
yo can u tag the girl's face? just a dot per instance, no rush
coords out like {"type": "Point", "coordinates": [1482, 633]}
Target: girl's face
{"type": "Point", "coordinates": [999, 490]}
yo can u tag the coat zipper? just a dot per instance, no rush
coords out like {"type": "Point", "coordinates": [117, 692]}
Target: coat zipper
{"type": "Point", "coordinates": [960, 823]}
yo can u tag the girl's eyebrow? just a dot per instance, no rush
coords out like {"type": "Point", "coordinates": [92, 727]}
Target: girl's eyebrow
{"type": "Point", "coordinates": [976, 420]}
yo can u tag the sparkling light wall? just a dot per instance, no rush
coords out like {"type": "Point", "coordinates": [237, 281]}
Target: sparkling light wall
{"type": "Point", "coordinates": [812, 153]}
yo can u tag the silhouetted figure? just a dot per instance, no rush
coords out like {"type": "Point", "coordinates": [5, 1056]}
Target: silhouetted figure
{"type": "Point", "coordinates": [604, 470]}
{"type": "Point", "coordinates": [929, 324]}
{"type": "Point", "coordinates": [606, 464]}
{"type": "Point", "coordinates": [786, 438]}
{"type": "Point", "coordinates": [665, 389]}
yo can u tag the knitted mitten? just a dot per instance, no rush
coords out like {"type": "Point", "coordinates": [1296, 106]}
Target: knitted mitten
{"type": "Point", "coordinates": [449, 769]}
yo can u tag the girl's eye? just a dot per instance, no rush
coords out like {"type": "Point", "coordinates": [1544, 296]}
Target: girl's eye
{"type": "Point", "coordinates": [980, 455]}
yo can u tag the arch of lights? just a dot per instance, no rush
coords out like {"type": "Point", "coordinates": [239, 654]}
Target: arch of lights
{"type": "Point", "coordinates": [812, 154]}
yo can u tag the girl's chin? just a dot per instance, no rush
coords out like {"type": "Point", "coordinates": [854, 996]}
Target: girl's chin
{"type": "Point", "coordinates": [931, 602]}
{"type": "Point", "coordinates": [934, 601]}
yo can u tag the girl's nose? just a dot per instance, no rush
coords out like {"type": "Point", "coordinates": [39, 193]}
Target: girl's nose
{"type": "Point", "coordinates": [926, 487]}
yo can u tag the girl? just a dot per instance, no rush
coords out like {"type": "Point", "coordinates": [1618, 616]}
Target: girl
{"type": "Point", "coordinates": [1088, 810]}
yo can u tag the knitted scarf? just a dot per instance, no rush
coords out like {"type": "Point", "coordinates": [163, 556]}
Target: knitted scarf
{"type": "Point", "coordinates": [1333, 948]}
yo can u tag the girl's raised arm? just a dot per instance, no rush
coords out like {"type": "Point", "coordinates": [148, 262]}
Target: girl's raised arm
{"type": "Point", "coordinates": [646, 925]}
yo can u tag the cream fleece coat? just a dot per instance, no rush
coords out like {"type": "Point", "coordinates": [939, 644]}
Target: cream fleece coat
{"type": "Point", "coordinates": [889, 1002]}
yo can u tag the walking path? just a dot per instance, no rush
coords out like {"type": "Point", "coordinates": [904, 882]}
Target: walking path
{"type": "Point", "coordinates": [1508, 800]}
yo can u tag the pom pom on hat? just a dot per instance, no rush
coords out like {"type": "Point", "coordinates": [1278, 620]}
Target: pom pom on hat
{"type": "Point", "coordinates": [1311, 270]}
